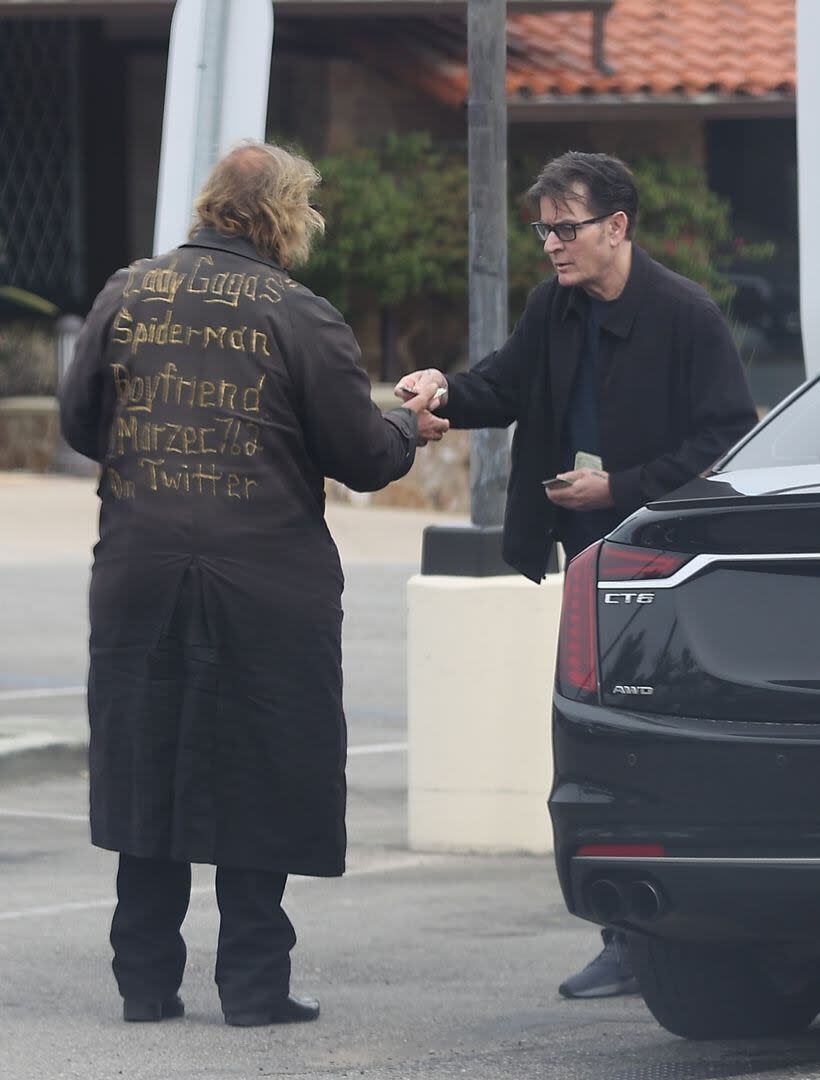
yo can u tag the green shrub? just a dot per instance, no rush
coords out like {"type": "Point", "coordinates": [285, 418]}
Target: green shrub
{"type": "Point", "coordinates": [397, 215]}
{"type": "Point", "coordinates": [688, 228]}
{"type": "Point", "coordinates": [397, 224]}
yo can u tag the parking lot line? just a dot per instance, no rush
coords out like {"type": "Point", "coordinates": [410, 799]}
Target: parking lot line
{"type": "Point", "coordinates": [43, 815]}
{"type": "Point", "coordinates": [41, 692]}
{"type": "Point", "coordinates": [380, 866]}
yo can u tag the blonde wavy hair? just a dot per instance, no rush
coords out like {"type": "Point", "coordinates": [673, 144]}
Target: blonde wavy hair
{"type": "Point", "coordinates": [261, 192]}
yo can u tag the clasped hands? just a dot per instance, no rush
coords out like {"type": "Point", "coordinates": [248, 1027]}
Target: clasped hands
{"type": "Point", "coordinates": [418, 393]}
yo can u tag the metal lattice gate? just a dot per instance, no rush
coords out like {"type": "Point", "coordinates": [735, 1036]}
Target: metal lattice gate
{"type": "Point", "coordinates": [40, 183]}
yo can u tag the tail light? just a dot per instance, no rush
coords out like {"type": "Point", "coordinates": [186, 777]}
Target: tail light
{"type": "Point", "coordinates": [577, 676]}
{"type": "Point", "coordinates": [619, 562]}
{"type": "Point", "coordinates": [578, 636]}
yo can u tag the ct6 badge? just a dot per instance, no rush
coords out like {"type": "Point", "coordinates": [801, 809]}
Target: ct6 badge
{"type": "Point", "coordinates": [629, 598]}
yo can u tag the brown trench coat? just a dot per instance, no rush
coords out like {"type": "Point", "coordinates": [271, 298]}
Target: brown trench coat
{"type": "Point", "coordinates": [217, 394]}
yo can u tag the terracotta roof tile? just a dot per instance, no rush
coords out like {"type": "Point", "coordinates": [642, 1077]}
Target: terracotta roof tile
{"type": "Point", "coordinates": [656, 48]}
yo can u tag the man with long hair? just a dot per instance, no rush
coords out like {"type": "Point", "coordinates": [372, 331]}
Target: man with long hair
{"type": "Point", "coordinates": [217, 394]}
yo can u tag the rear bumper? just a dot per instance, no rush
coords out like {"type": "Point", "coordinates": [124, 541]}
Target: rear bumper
{"type": "Point", "coordinates": [736, 808]}
{"type": "Point", "coordinates": [720, 900]}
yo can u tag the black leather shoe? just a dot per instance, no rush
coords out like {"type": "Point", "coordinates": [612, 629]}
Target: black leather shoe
{"type": "Point", "coordinates": [293, 1010]}
{"type": "Point", "coordinates": [142, 1010]}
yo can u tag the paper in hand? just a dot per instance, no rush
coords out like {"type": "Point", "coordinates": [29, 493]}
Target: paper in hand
{"type": "Point", "coordinates": [583, 460]}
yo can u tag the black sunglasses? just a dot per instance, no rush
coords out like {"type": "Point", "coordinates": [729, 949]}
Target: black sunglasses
{"type": "Point", "coordinates": [565, 230]}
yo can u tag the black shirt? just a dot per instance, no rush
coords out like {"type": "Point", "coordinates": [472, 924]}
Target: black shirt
{"type": "Point", "coordinates": [578, 529]}
{"type": "Point", "coordinates": [582, 430]}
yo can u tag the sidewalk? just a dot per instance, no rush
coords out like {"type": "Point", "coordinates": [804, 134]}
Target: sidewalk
{"type": "Point", "coordinates": [48, 530]}
{"type": "Point", "coordinates": [56, 516]}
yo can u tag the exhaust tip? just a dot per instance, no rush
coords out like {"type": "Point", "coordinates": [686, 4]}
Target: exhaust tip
{"type": "Point", "coordinates": [606, 900]}
{"type": "Point", "coordinates": [645, 901]}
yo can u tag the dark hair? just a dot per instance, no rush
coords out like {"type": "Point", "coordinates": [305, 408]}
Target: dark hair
{"type": "Point", "coordinates": [610, 184]}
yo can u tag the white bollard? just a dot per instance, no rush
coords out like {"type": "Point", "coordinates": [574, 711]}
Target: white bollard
{"type": "Point", "coordinates": [481, 663]}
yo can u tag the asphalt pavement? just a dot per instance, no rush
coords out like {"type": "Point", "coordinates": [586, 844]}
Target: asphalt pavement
{"type": "Point", "coordinates": [434, 966]}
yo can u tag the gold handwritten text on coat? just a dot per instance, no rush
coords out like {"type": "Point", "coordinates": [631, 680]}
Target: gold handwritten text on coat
{"type": "Point", "coordinates": [196, 479]}
{"type": "Point", "coordinates": [131, 434]}
{"type": "Point", "coordinates": [164, 332]}
{"type": "Point", "coordinates": [174, 430]}
{"type": "Point", "coordinates": [169, 386]}
{"type": "Point", "coordinates": [119, 488]}
{"type": "Point", "coordinates": [162, 284]}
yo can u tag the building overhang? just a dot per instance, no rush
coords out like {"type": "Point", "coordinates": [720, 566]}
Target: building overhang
{"type": "Point", "coordinates": [305, 8]}
{"type": "Point", "coordinates": [626, 107]}
{"type": "Point", "coordinates": [524, 107]}
{"type": "Point", "coordinates": [339, 8]}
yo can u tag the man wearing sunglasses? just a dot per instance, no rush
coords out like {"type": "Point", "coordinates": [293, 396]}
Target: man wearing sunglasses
{"type": "Point", "coordinates": [624, 382]}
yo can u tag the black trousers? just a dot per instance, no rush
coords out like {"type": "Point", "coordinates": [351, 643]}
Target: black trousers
{"type": "Point", "coordinates": [255, 934]}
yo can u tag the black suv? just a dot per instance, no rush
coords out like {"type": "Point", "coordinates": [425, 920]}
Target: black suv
{"type": "Point", "coordinates": [686, 728]}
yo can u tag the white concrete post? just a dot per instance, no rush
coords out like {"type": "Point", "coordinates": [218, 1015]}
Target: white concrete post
{"type": "Point", "coordinates": [67, 329]}
{"type": "Point", "coordinates": [481, 664]}
{"type": "Point", "coordinates": [481, 650]}
{"type": "Point", "coordinates": [808, 175]}
{"type": "Point", "coordinates": [216, 93]}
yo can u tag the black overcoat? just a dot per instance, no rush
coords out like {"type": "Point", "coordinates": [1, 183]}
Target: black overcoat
{"type": "Point", "coordinates": [672, 397]}
{"type": "Point", "coordinates": [217, 394]}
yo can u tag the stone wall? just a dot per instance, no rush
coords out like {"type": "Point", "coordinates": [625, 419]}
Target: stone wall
{"type": "Point", "coordinates": [29, 433]}
{"type": "Point", "coordinates": [439, 480]}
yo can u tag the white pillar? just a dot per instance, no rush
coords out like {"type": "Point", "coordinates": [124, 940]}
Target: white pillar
{"type": "Point", "coordinates": [481, 663]}
{"type": "Point", "coordinates": [216, 93]}
{"type": "Point", "coordinates": [808, 175]}
{"type": "Point", "coordinates": [67, 329]}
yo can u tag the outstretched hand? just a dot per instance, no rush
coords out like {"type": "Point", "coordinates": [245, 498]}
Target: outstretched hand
{"type": "Point", "coordinates": [421, 396]}
{"type": "Point", "coordinates": [408, 386]}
